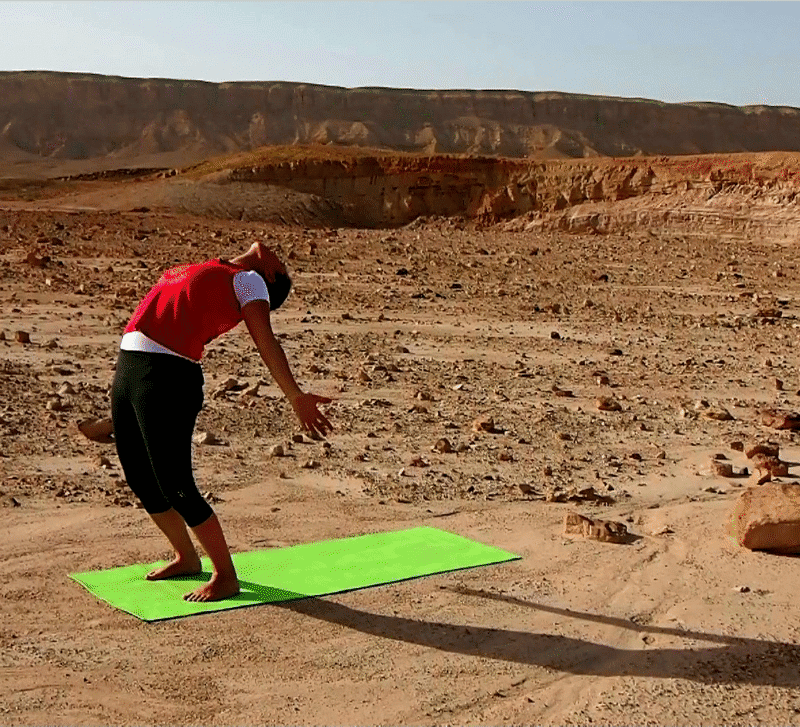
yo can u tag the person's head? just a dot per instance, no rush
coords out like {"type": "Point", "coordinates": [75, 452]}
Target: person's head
{"type": "Point", "coordinates": [278, 290]}
{"type": "Point", "coordinates": [266, 263]}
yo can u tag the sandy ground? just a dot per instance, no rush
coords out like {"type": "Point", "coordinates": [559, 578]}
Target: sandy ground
{"type": "Point", "coordinates": [416, 332]}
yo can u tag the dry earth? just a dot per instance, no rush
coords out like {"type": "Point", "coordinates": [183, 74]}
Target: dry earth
{"type": "Point", "coordinates": [417, 331]}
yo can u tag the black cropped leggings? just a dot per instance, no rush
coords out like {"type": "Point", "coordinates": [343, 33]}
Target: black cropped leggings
{"type": "Point", "coordinates": [155, 400]}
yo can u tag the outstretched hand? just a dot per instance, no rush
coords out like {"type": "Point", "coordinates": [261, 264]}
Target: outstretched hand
{"type": "Point", "coordinates": [312, 419]}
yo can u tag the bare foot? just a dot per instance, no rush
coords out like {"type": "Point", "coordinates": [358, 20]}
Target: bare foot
{"type": "Point", "coordinates": [217, 589]}
{"type": "Point", "coordinates": [177, 567]}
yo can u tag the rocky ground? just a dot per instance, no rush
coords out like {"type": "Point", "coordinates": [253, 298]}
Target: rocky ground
{"type": "Point", "coordinates": [486, 381]}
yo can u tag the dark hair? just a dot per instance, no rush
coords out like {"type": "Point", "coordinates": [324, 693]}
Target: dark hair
{"type": "Point", "coordinates": [279, 290]}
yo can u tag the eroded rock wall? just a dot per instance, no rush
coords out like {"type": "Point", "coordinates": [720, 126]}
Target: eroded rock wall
{"type": "Point", "coordinates": [600, 195]}
{"type": "Point", "coordinates": [84, 116]}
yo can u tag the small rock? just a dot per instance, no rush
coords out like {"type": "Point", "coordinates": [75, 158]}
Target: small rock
{"type": "Point", "coordinates": [606, 403]}
{"type": "Point", "coordinates": [737, 446]}
{"type": "Point", "coordinates": [311, 464]}
{"type": "Point", "coordinates": [54, 404]}
{"type": "Point", "coordinates": [206, 438]}
{"type": "Point", "coordinates": [718, 414]}
{"type": "Point", "coordinates": [22, 337]}
{"type": "Point", "coordinates": [555, 335]}
{"type": "Point", "coordinates": [35, 261]}
{"type": "Point", "coordinates": [721, 469]}
{"type": "Point", "coordinates": [252, 390]}
{"type": "Point", "coordinates": [768, 450]}
{"type": "Point", "coordinates": [780, 419]}
{"type": "Point", "coordinates": [606, 531]}
{"type": "Point", "coordinates": [229, 384]}
{"type": "Point", "coordinates": [484, 424]}
{"type": "Point", "coordinates": [98, 430]}
{"type": "Point", "coordinates": [742, 589]}
{"type": "Point", "coordinates": [527, 489]}
{"type": "Point", "coordinates": [444, 446]}
{"type": "Point", "coordinates": [277, 451]}
{"type": "Point", "coordinates": [66, 389]}
{"type": "Point", "coordinates": [764, 464]}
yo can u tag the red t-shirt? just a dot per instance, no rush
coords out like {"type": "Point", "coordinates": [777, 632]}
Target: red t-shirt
{"type": "Point", "coordinates": [189, 306]}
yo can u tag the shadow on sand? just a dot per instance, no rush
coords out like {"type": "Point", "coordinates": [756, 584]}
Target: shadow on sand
{"type": "Point", "coordinates": [733, 660]}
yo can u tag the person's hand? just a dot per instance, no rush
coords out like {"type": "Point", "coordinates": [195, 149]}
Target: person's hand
{"type": "Point", "coordinates": [312, 419]}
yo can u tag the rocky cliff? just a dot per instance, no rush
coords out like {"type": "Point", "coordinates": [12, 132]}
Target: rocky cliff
{"type": "Point", "coordinates": [152, 122]}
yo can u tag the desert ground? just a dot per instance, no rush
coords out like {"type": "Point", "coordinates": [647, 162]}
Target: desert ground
{"type": "Point", "coordinates": [501, 340]}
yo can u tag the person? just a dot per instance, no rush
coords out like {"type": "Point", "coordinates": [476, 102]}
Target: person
{"type": "Point", "coordinates": [157, 394]}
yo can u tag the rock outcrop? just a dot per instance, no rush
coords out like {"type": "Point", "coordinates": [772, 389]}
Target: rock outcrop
{"type": "Point", "coordinates": [759, 192]}
{"type": "Point", "coordinates": [134, 121]}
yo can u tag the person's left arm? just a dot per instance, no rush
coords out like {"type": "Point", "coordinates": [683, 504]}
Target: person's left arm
{"type": "Point", "coordinates": [305, 405]}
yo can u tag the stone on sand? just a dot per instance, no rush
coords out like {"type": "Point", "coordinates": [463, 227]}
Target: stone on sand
{"type": "Point", "coordinates": [443, 445]}
{"type": "Point", "coordinates": [205, 438]}
{"type": "Point", "coordinates": [606, 531]}
{"type": "Point", "coordinates": [98, 430]}
{"type": "Point", "coordinates": [607, 403]}
{"type": "Point", "coordinates": [768, 518]}
{"type": "Point", "coordinates": [780, 419]}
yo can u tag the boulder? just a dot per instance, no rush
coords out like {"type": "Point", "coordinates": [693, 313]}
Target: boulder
{"type": "Point", "coordinates": [768, 518]}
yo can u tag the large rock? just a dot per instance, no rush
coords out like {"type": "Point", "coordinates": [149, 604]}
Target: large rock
{"type": "Point", "coordinates": [768, 518]}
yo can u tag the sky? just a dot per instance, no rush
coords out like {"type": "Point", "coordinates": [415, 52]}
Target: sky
{"type": "Point", "coordinates": [740, 53]}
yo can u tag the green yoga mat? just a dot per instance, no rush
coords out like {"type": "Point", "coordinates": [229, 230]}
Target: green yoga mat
{"type": "Point", "coordinates": [299, 571]}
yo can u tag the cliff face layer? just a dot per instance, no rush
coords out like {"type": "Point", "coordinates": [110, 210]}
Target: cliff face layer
{"type": "Point", "coordinates": [127, 121]}
{"type": "Point", "coordinates": [320, 186]}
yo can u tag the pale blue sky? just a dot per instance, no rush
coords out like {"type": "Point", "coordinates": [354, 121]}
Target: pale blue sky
{"type": "Point", "coordinates": [731, 52]}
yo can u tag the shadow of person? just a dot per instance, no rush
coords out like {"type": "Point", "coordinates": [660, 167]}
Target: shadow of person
{"type": "Point", "coordinates": [734, 660]}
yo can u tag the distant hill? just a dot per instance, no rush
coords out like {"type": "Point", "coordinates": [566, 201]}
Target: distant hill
{"type": "Point", "coordinates": [72, 122]}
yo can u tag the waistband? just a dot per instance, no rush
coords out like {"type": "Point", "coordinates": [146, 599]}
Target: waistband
{"type": "Point", "coordinates": [138, 341]}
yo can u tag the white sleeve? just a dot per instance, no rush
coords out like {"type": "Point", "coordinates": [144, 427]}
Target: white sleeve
{"type": "Point", "coordinates": [249, 285]}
